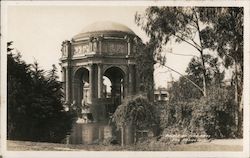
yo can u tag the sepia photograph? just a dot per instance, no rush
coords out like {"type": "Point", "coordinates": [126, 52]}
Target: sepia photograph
{"type": "Point", "coordinates": [133, 77]}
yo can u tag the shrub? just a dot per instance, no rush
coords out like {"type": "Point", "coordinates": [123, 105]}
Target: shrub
{"type": "Point", "coordinates": [136, 110]}
{"type": "Point", "coordinates": [217, 113]}
{"type": "Point", "coordinates": [212, 115]}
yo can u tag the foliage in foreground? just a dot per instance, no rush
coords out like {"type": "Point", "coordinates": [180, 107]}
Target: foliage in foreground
{"type": "Point", "coordinates": [145, 67]}
{"type": "Point", "coordinates": [212, 115]}
{"type": "Point", "coordinates": [204, 28]}
{"type": "Point", "coordinates": [137, 111]}
{"type": "Point", "coordinates": [35, 110]}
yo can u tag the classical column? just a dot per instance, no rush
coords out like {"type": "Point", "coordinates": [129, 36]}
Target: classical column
{"type": "Point", "coordinates": [79, 94]}
{"type": "Point", "coordinates": [94, 45]}
{"type": "Point", "coordinates": [91, 82]}
{"type": "Point", "coordinates": [131, 80]}
{"type": "Point", "coordinates": [67, 86]}
{"type": "Point", "coordinates": [100, 81]}
{"type": "Point", "coordinates": [64, 80]}
{"type": "Point", "coordinates": [90, 44]}
{"type": "Point", "coordinates": [125, 84]}
{"type": "Point", "coordinates": [129, 44]}
{"type": "Point", "coordinates": [99, 39]}
{"type": "Point", "coordinates": [75, 85]}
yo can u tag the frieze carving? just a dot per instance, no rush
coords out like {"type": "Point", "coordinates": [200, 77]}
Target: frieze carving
{"type": "Point", "coordinates": [81, 49]}
{"type": "Point", "coordinates": [114, 48]}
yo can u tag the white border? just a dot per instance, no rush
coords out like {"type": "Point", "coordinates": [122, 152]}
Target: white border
{"type": "Point", "coordinates": [63, 154]}
{"type": "Point", "coordinates": [3, 78]}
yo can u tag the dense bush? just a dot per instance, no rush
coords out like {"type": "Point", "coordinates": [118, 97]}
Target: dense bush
{"type": "Point", "coordinates": [136, 110]}
{"type": "Point", "coordinates": [217, 113]}
{"type": "Point", "coordinates": [212, 115]}
{"type": "Point", "coordinates": [162, 114]}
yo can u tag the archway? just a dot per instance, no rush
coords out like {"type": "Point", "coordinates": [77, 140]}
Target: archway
{"type": "Point", "coordinates": [106, 87]}
{"type": "Point", "coordinates": [116, 77]}
{"type": "Point", "coordinates": [81, 86]}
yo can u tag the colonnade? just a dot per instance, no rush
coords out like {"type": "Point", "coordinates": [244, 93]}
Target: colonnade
{"type": "Point", "coordinates": [95, 79]}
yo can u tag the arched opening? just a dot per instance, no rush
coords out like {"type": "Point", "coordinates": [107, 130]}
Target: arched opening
{"type": "Point", "coordinates": [106, 87]}
{"type": "Point", "coordinates": [116, 78]}
{"type": "Point", "coordinates": [81, 86]}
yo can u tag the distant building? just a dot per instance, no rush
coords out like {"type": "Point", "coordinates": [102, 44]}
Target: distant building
{"type": "Point", "coordinates": [161, 94]}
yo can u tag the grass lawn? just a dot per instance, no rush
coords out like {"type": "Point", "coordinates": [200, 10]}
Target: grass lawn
{"type": "Point", "coordinates": [214, 145]}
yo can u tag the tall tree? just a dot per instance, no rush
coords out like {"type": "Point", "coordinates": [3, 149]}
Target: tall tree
{"type": "Point", "coordinates": [183, 90]}
{"type": "Point", "coordinates": [216, 28]}
{"type": "Point", "coordinates": [214, 74]}
{"type": "Point", "coordinates": [19, 82]}
{"type": "Point", "coordinates": [180, 23]}
{"type": "Point", "coordinates": [225, 35]}
{"type": "Point", "coordinates": [145, 67]}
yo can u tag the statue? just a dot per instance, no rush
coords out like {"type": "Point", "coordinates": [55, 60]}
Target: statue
{"type": "Point", "coordinates": [86, 115]}
{"type": "Point", "coordinates": [73, 105]}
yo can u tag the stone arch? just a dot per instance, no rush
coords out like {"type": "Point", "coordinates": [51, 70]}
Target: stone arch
{"type": "Point", "coordinates": [77, 69]}
{"type": "Point", "coordinates": [117, 77]}
{"type": "Point", "coordinates": [123, 68]}
{"type": "Point", "coordinates": [81, 85]}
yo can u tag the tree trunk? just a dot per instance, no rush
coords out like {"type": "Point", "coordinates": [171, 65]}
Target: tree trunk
{"type": "Point", "coordinates": [122, 136]}
{"type": "Point", "coordinates": [201, 52]}
{"type": "Point", "coordinates": [236, 97]}
{"type": "Point", "coordinates": [238, 100]}
{"type": "Point", "coordinates": [240, 119]}
{"type": "Point", "coordinates": [203, 75]}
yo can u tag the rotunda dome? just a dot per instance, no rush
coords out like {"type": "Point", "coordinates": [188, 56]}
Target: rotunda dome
{"type": "Point", "coordinates": [103, 27]}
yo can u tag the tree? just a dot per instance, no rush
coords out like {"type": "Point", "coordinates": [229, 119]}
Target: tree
{"type": "Point", "coordinates": [214, 74]}
{"type": "Point", "coordinates": [18, 83]}
{"type": "Point", "coordinates": [183, 90]}
{"type": "Point", "coordinates": [35, 108]}
{"type": "Point", "coordinates": [225, 35]}
{"type": "Point", "coordinates": [186, 101]}
{"type": "Point", "coordinates": [145, 67]}
{"type": "Point", "coordinates": [215, 28]}
{"type": "Point", "coordinates": [215, 112]}
{"type": "Point", "coordinates": [180, 23]}
{"type": "Point", "coordinates": [211, 115]}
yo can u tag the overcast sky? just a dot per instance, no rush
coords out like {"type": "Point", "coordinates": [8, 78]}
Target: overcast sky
{"type": "Point", "coordinates": [38, 31]}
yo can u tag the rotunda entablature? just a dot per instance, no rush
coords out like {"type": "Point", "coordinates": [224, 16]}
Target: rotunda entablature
{"type": "Point", "coordinates": [106, 39]}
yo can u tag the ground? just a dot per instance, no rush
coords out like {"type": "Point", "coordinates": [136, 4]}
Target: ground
{"type": "Point", "coordinates": [213, 145]}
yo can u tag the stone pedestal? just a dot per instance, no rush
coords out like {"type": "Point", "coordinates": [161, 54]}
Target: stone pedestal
{"type": "Point", "coordinates": [90, 133]}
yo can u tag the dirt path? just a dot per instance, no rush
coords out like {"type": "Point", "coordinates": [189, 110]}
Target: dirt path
{"type": "Point", "coordinates": [227, 141]}
{"type": "Point", "coordinates": [213, 145]}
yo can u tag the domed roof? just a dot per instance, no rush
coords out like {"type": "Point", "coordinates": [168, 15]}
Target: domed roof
{"type": "Point", "coordinates": [104, 26]}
